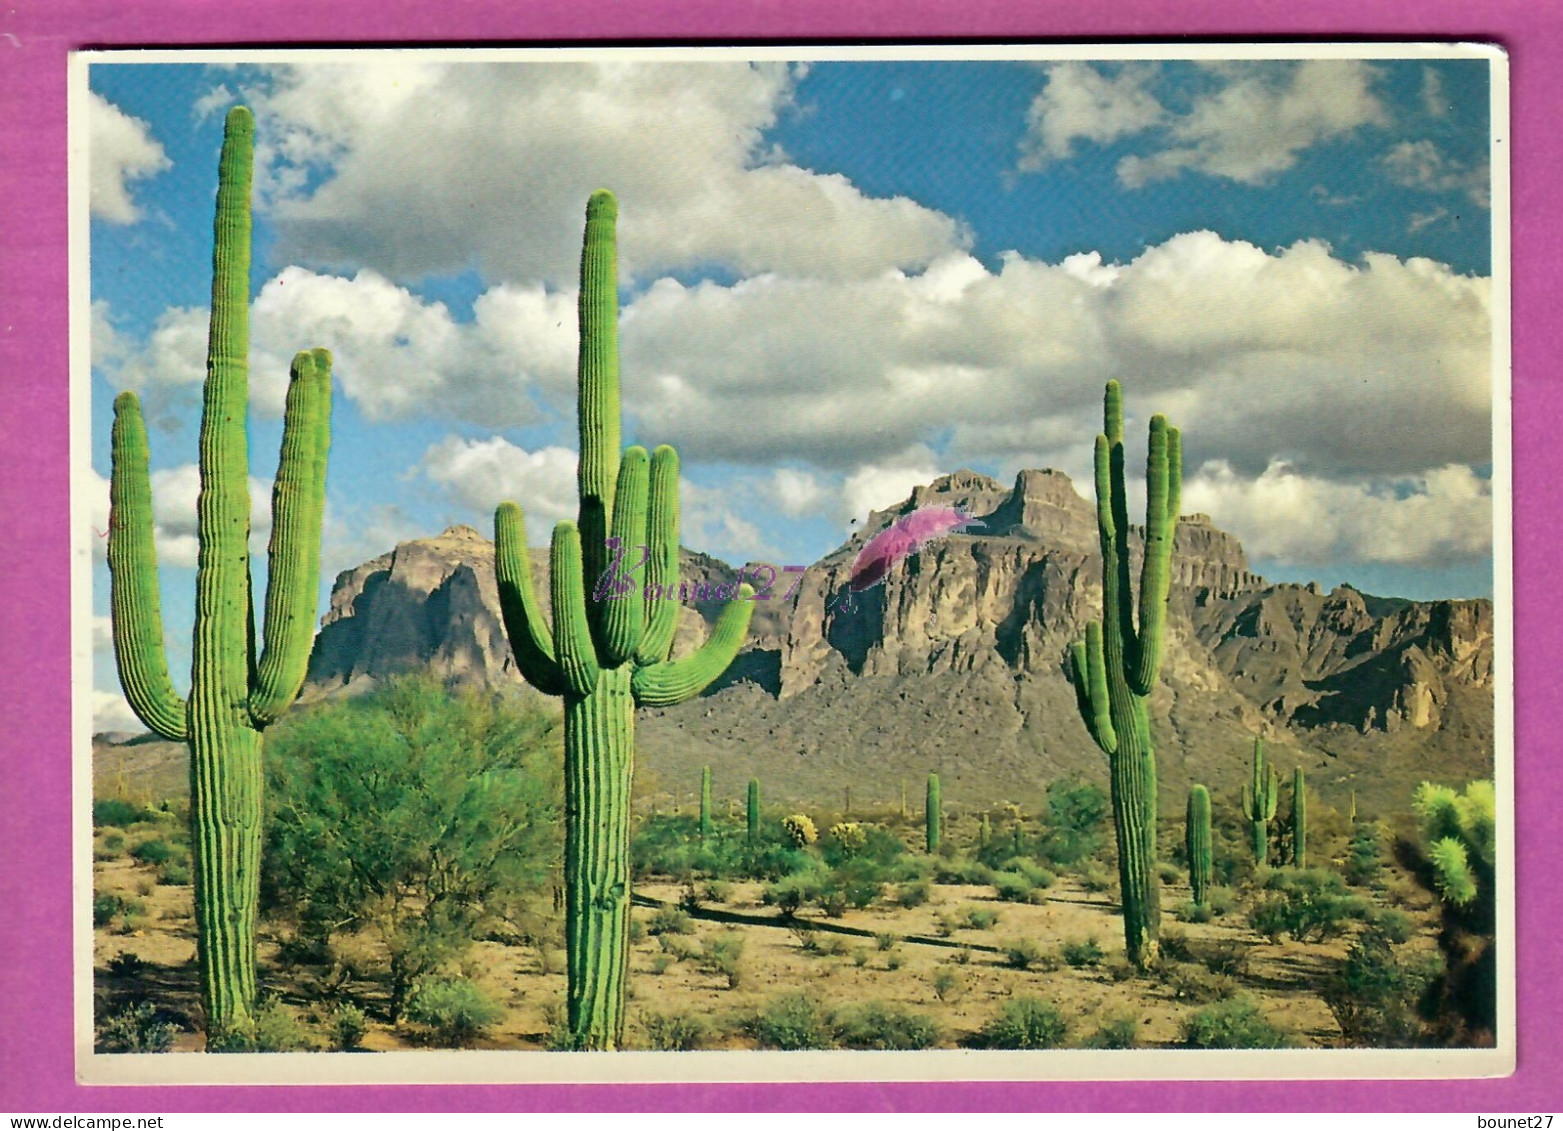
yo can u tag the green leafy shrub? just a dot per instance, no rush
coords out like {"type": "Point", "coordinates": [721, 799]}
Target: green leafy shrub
{"type": "Point", "coordinates": [1189, 982]}
{"type": "Point", "coordinates": [348, 1026]}
{"type": "Point", "coordinates": [800, 830]}
{"type": "Point", "coordinates": [1116, 1033]}
{"type": "Point", "coordinates": [106, 905]}
{"type": "Point", "coordinates": [981, 918]}
{"type": "Point", "coordinates": [673, 1032]}
{"type": "Point", "coordinates": [174, 873]}
{"type": "Point", "coordinates": [1307, 904]}
{"type": "Point", "coordinates": [1023, 954]}
{"type": "Point", "coordinates": [913, 894]}
{"type": "Point", "coordinates": [1379, 999]}
{"type": "Point", "coordinates": [723, 954]}
{"type": "Point", "coordinates": [946, 983]}
{"type": "Point", "coordinates": [1087, 953]}
{"type": "Point", "coordinates": [1075, 821]}
{"type": "Point", "coordinates": [1013, 887]}
{"type": "Point", "coordinates": [273, 1028]}
{"type": "Point", "coordinates": [1365, 855]}
{"type": "Point", "coordinates": [1024, 1023]}
{"type": "Point", "coordinates": [126, 964]}
{"type": "Point", "coordinates": [1190, 912]}
{"type": "Point", "coordinates": [152, 852]}
{"type": "Point", "coordinates": [882, 1025]}
{"type": "Point", "coordinates": [1096, 878]}
{"type": "Point", "coordinates": [119, 813]}
{"type": "Point", "coordinates": [454, 1012]}
{"type": "Point", "coordinates": [849, 837]}
{"type": "Point", "coordinates": [137, 1027]}
{"type": "Point", "coordinates": [795, 1021]}
{"type": "Point", "coordinates": [670, 921]}
{"type": "Point", "coordinates": [1233, 1024]}
{"type": "Point", "coordinates": [1222, 900]}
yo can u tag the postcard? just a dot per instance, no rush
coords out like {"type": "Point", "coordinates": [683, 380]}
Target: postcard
{"type": "Point", "coordinates": [769, 564]}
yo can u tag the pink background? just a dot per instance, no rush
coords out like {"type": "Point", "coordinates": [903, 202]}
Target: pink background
{"type": "Point", "coordinates": [36, 1059]}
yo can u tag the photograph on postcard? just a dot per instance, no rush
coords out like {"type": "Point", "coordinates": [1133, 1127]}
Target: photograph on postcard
{"type": "Point", "coordinates": [996, 555]}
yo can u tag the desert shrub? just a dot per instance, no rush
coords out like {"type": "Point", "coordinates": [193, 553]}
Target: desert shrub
{"type": "Point", "coordinates": [423, 816]}
{"type": "Point", "coordinates": [1175, 946]}
{"type": "Point", "coordinates": [1222, 900]}
{"type": "Point", "coordinates": [946, 923]}
{"type": "Point", "coordinates": [716, 891]}
{"type": "Point", "coordinates": [1233, 1024]}
{"type": "Point", "coordinates": [1096, 878]}
{"type": "Point", "coordinates": [795, 1021]}
{"type": "Point", "coordinates": [1023, 954]}
{"type": "Point", "coordinates": [660, 963]}
{"type": "Point", "coordinates": [454, 1012]}
{"type": "Point", "coordinates": [119, 813]}
{"type": "Point", "coordinates": [1087, 953]}
{"type": "Point", "coordinates": [849, 837]}
{"type": "Point", "coordinates": [677, 947]}
{"type": "Point", "coordinates": [946, 983]}
{"type": "Point", "coordinates": [913, 894]}
{"type": "Point", "coordinates": [1074, 823]}
{"type": "Point", "coordinates": [273, 1028]}
{"type": "Point", "coordinates": [981, 918]}
{"type": "Point", "coordinates": [1380, 1000]}
{"type": "Point", "coordinates": [885, 1025]}
{"type": "Point", "coordinates": [1192, 983]}
{"type": "Point", "coordinates": [1309, 905]}
{"type": "Point", "coordinates": [860, 956]}
{"type": "Point", "coordinates": [152, 852]}
{"type": "Point", "coordinates": [1394, 925]}
{"type": "Point", "coordinates": [894, 959]}
{"type": "Point", "coordinates": [1190, 912]}
{"type": "Point", "coordinates": [1024, 1023]}
{"type": "Point", "coordinates": [723, 954]}
{"type": "Point", "coordinates": [1013, 887]}
{"type": "Point", "coordinates": [1224, 956]}
{"type": "Point", "coordinates": [673, 1032]}
{"type": "Point", "coordinates": [348, 1026]}
{"type": "Point", "coordinates": [174, 873]}
{"type": "Point", "coordinates": [670, 921]}
{"type": "Point", "coordinates": [137, 1027]}
{"type": "Point", "coordinates": [1365, 855]}
{"type": "Point", "coordinates": [1116, 1033]}
{"type": "Point", "coordinates": [110, 845]}
{"type": "Point", "coordinates": [126, 964]}
{"type": "Point", "coordinates": [961, 870]}
{"type": "Point", "coordinates": [800, 830]}
{"type": "Point", "coordinates": [884, 940]}
{"type": "Point", "coordinates": [106, 905]}
{"type": "Point", "coordinates": [1169, 872]}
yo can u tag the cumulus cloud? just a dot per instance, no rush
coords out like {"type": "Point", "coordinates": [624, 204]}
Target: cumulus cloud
{"type": "Point", "coordinates": [1422, 165]}
{"type": "Point", "coordinates": [1439, 518]}
{"type": "Point", "coordinates": [110, 713]}
{"type": "Point", "coordinates": [413, 167]}
{"type": "Point", "coordinates": [121, 149]}
{"type": "Point", "coordinates": [1260, 119]}
{"type": "Point", "coordinates": [1080, 101]}
{"type": "Point", "coordinates": [481, 474]}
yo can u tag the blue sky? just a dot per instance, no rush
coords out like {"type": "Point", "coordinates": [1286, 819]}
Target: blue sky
{"type": "Point", "coordinates": [839, 279]}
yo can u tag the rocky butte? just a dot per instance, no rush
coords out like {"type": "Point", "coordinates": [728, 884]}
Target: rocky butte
{"type": "Point", "coordinates": [957, 663]}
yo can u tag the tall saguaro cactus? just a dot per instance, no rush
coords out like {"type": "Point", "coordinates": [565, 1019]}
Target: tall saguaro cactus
{"type": "Point", "coordinates": [1198, 844]}
{"type": "Point", "coordinates": [1116, 666]}
{"type": "Point", "coordinates": [932, 814]}
{"type": "Point", "coordinates": [752, 812]}
{"type": "Point", "coordinates": [1259, 798]}
{"type": "Point", "coordinates": [233, 696]}
{"type": "Point", "coordinates": [1299, 819]}
{"type": "Point", "coordinates": [706, 825]}
{"type": "Point", "coordinates": [606, 656]}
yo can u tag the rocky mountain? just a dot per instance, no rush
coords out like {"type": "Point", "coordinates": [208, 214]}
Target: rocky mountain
{"type": "Point", "coordinates": [958, 662]}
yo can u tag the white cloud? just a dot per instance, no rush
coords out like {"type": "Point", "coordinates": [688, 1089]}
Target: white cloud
{"type": "Point", "coordinates": [110, 713]}
{"type": "Point", "coordinates": [121, 149]}
{"type": "Point", "coordinates": [216, 100]}
{"type": "Point", "coordinates": [412, 167]}
{"type": "Point", "coordinates": [1422, 165]}
{"type": "Point", "coordinates": [1260, 119]}
{"type": "Point", "coordinates": [1080, 101]}
{"type": "Point", "coordinates": [1434, 102]}
{"type": "Point", "coordinates": [1441, 517]}
{"type": "Point", "coordinates": [874, 487]}
{"type": "Point", "coordinates": [795, 493]}
{"type": "Point", "coordinates": [484, 473]}
{"type": "Point", "coordinates": [175, 491]}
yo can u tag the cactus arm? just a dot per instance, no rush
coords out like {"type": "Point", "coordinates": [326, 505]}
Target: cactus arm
{"type": "Point", "coordinates": [660, 615]}
{"type": "Point", "coordinates": [1161, 520]}
{"type": "Point", "coordinates": [530, 638]}
{"type": "Point", "coordinates": [622, 615]}
{"type": "Point", "coordinates": [134, 598]}
{"type": "Point", "coordinates": [598, 379]}
{"type": "Point", "coordinates": [1091, 693]}
{"type": "Point", "coordinates": [572, 636]}
{"type": "Point", "coordinates": [673, 681]}
{"type": "Point", "coordinates": [1117, 598]}
{"type": "Point", "coordinates": [1299, 819]}
{"type": "Point", "coordinates": [298, 506]}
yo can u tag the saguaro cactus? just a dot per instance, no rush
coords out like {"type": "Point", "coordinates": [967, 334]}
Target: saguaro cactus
{"type": "Point", "coordinates": [706, 827]}
{"type": "Point", "coordinates": [931, 815]}
{"type": "Point", "coordinates": [233, 696]}
{"type": "Point", "coordinates": [1299, 820]}
{"type": "Point", "coordinates": [1259, 798]}
{"type": "Point", "coordinates": [752, 812]}
{"type": "Point", "coordinates": [605, 657]}
{"type": "Point", "coordinates": [1116, 666]}
{"type": "Point", "coordinates": [1197, 842]}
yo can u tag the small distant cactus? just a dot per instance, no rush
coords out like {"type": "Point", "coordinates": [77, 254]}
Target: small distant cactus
{"type": "Point", "coordinates": [1201, 866]}
{"type": "Point", "coordinates": [752, 814]}
{"type": "Point", "coordinates": [706, 826]}
{"type": "Point", "coordinates": [984, 832]}
{"type": "Point", "coordinates": [850, 836]}
{"type": "Point", "coordinates": [932, 815]}
{"type": "Point", "coordinates": [1299, 820]}
{"type": "Point", "coordinates": [1259, 798]}
{"type": "Point", "coordinates": [1461, 835]}
{"type": "Point", "coordinates": [800, 830]}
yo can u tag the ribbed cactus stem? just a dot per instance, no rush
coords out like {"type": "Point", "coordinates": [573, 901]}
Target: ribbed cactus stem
{"type": "Point", "coordinates": [985, 832]}
{"type": "Point", "coordinates": [234, 695]}
{"type": "Point", "coordinates": [1259, 800]}
{"type": "Point", "coordinates": [706, 827]}
{"type": "Point", "coordinates": [1116, 665]}
{"type": "Point", "coordinates": [605, 657]}
{"type": "Point", "coordinates": [752, 812]}
{"type": "Point", "coordinates": [932, 814]}
{"type": "Point", "coordinates": [1299, 820]}
{"type": "Point", "coordinates": [1198, 844]}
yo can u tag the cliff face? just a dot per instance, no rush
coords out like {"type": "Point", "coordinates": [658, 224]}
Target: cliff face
{"type": "Point", "coordinates": [958, 661]}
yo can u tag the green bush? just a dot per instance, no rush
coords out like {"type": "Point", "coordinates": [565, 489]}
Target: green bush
{"type": "Point", "coordinates": [135, 1028]}
{"type": "Point", "coordinates": [1365, 856]}
{"type": "Point", "coordinates": [453, 1011]}
{"type": "Point", "coordinates": [106, 905]}
{"type": "Point", "coordinates": [723, 954]}
{"type": "Point", "coordinates": [673, 1032]}
{"type": "Point", "coordinates": [1309, 905]}
{"type": "Point", "coordinates": [174, 873]}
{"type": "Point", "coordinates": [795, 1021]}
{"type": "Point", "coordinates": [274, 1028]}
{"type": "Point", "coordinates": [1190, 912]}
{"type": "Point", "coordinates": [1096, 878]}
{"type": "Point", "coordinates": [946, 983]}
{"type": "Point", "coordinates": [1023, 954]}
{"type": "Point", "coordinates": [1380, 1000]}
{"type": "Point", "coordinates": [1024, 1023]}
{"type": "Point", "coordinates": [1233, 1024]}
{"type": "Point", "coordinates": [152, 852]}
{"type": "Point", "coordinates": [1117, 1033]}
{"type": "Point", "coordinates": [1075, 821]}
{"type": "Point", "coordinates": [1087, 953]}
{"type": "Point", "coordinates": [881, 1025]}
{"type": "Point", "coordinates": [348, 1026]}
{"type": "Point", "coordinates": [1191, 983]}
{"type": "Point", "coordinates": [118, 813]}
{"type": "Point", "coordinates": [913, 894]}
{"type": "Point", "coordinates": [981, 918]}
{"type": "Point", "coordinates": [670, 921]}
{"type": "Point", "coordinates": [1013, 887]}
